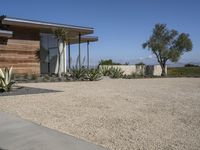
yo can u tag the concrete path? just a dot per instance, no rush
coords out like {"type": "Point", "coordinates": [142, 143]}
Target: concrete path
{"type": "Point", "coordinates": [19, 134]}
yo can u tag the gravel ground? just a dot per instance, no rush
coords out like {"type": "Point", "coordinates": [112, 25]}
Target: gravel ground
{"type": "Point", "coordinates": [118, 114]}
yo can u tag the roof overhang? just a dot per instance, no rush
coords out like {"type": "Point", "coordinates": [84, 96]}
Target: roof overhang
{"type": "Point", "coordinates": [6, 33]}
{"type": "Point", "coordinates": [83, 39]}
{"type": "Point", "coordinates": [46, 26]}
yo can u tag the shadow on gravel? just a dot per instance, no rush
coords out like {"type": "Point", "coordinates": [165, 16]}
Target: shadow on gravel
{"type": "Point", "coordinates": [26, 91]}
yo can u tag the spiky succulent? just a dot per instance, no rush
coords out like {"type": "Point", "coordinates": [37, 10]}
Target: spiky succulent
{"type": "Point", "coordinates": [78, 73]}
{"type": "Point", "coordinates": [93, 74]}
{"type": "Point", "coordinates": [105, 70]}
{"type": "Point", "coordinates": [5, 80]}
{"type": "Point", "coordinates": [116, 72]}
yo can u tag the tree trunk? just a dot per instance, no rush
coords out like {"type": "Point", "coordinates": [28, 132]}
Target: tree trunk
{"type": "Point", "coordinates": [163, 74]}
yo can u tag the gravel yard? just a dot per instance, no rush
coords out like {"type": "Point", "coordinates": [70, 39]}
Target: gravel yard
{"type": "Point", "coordinates": [118, 114]}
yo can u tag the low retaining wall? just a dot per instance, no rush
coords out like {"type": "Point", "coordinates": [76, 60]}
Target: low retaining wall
{"type": "Point", "coordinates": [154, 70]}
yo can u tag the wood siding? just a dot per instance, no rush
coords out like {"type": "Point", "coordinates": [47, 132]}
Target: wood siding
{"type": "Point", "coordinates": [21, 52]}
{"type": "Point", "coordinates": [22, 55]}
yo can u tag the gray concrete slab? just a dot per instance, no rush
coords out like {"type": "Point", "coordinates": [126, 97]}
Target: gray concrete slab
{"type": "Point", "coordinates": [19, 134]}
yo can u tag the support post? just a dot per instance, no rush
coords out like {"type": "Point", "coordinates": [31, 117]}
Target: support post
{"type": "Point", "coordinates": [88, 55]}
{"type": "Point", "coordinates": [49, 59]}
{"type": "Point", "coordinates": [79, 50]}
{"type": "Point", "coordinates": [65, 57]}
{"type": "Point", "coordinates": [69, 56]}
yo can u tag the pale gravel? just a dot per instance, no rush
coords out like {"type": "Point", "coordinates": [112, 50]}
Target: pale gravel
{"type": "Point", "coordinates": [118, 114]}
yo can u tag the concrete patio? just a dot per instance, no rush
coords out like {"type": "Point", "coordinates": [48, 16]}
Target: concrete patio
{"type": "Point", "coordinates": [19, 134]}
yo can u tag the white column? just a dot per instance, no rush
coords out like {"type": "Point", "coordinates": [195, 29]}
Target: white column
{"type": "Point", "coordinates": [62, 57]}
{"type": "Point", "coordinates": [65, 59]}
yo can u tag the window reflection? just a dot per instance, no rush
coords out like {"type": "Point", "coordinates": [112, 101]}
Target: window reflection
{"type": "Point", "coordinates": [48, 53]}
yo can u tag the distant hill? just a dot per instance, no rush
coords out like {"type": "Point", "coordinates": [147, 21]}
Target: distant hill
{"type": "Point", "coordinates": [182, 64]}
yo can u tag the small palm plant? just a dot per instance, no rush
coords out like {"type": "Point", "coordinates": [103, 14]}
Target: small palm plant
{"type": "Point", "coordinates": [5, 80]}
{"type": "Point", "coordinates": [61, 35]}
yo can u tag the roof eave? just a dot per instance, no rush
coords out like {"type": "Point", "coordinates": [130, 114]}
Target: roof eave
{"type": "Point", "coordinates": [84, 39]}
{"type": "Point", "coordinates": [45, 25]}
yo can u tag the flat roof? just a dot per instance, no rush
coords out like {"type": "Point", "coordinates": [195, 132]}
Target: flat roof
{"type": "Point", "coordinates": [45, 25]}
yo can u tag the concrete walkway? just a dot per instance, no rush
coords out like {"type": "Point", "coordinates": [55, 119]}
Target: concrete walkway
{"type": "Point", "coordinates": [19, 134]}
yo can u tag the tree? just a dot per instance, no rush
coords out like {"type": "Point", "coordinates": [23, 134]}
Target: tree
{"type": "Point", "coordinates": [108, 62]}
{"type": "Point", "coordinates": [191, 65]}
{"type": "Point", "coordinates": [167, 45]}
{"type": "Point", "coordinates": [62, 35]}
{"type": "Point", "coordinates": [140, 64]}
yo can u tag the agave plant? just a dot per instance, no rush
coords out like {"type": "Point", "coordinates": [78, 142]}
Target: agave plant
{"type": "Point", "coordinates": [78, 73]}
{"type": "Point", "coordinates": [116, 72]}
{"type": "Point", "coordinates": [5, 80]}
{"type": "Point", "coordinates": [105, 70]}
{"type": "Point", "coordinates": [93, 75]}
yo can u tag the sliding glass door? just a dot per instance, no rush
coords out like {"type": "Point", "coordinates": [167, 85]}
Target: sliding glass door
{"type": "Point", "coordinates": [48, 54]}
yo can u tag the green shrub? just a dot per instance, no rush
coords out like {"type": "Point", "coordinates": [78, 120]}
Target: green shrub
{"type": "Point", "coordinates": [5, 80]}
{"type": "Point", "coordinates": [93, 74]}
{"type": "Point", "coordinates": [34, 77]}
{"type": "Point", "coordinates": [191, 65]}
{"type": "Point", "coordinates": [140, 64]}
{"type": "Point", "coordinates": [46, 78]}
{"type": "Point", "coordinates": [26, 76]}
{"type": "Point", "coordinates": [131, 76]}
{"type": "Point", "coordinates": [108, 62]}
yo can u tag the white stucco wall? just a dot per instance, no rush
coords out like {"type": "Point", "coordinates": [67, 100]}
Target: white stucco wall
{"type": "Point", "coordinates": [154, 70]}
{"type": "Point", "coordinates": [128, 69]}
{"type": "Point", "coordinates": [158, 70]}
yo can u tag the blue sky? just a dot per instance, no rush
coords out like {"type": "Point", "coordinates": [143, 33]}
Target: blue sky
{"type": "Point", "coordinates": [122, 25]}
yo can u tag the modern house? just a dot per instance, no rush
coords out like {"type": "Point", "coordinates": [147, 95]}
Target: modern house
{"type": "Point", "coordinates": [31, 47]}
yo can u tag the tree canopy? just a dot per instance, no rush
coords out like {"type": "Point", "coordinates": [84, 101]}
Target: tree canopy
{"type": "Point", "coordinates": [167, 45]}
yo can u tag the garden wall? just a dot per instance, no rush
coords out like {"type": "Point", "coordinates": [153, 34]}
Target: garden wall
{"type": "Point", "coordinates": [154, 70]}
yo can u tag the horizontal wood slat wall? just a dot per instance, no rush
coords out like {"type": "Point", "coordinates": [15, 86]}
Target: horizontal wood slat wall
{"type": "Point", "coordinates": [23, 55]}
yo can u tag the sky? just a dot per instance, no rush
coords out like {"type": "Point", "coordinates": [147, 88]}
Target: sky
{"type": "Point", "coordinates": [121, 25]}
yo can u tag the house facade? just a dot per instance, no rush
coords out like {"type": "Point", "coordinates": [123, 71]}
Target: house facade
{"type": "Point", "coordinates": [31, 47]}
